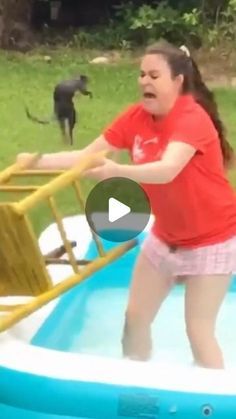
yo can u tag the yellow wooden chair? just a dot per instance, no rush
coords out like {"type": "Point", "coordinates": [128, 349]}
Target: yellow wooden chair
{"type": "Point", "coordinates": [23, 268]}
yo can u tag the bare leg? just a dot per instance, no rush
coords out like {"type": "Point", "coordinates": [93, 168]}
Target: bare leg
{"type": "Point", "coordinates": [204, 295]}
{"type": "Point", "coordinates": [148, 290]}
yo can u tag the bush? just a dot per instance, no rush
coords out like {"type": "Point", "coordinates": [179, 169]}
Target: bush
{"type": "Point", "coordinates": [132, 26]}
{"type": "Point", "coordinates": [148, 23]}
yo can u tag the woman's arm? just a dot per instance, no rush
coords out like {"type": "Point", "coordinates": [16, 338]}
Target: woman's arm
{"type": "Point", "coordinates": [67, 159]}
{"type": "Point", "coordinates": [176, 157]}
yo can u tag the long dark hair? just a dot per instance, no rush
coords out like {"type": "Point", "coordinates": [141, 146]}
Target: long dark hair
{"type": "Point", "coordinates": [181, 63]}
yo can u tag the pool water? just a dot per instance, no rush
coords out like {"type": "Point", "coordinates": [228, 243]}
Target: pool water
{"type": "Point", "coordinates": [102, 329]}
{"type": "Point", "coordinates": [89, 318]}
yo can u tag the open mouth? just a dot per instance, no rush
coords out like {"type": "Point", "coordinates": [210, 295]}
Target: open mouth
{"type": "Point", "coordinates": [149, 95]}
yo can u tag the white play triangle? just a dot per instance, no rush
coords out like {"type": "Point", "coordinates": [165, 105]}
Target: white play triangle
{"type": "Point", "coordinates": [117, 210]}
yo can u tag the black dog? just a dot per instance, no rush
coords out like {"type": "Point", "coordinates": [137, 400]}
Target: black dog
{"type": "Point", "coordinates": [64, 109]}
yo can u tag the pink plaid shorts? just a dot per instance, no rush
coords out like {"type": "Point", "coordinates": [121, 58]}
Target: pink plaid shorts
{"type": "Point", "coordinates": [219, 258]}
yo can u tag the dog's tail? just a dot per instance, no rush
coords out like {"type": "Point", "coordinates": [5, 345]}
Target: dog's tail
{"type": "Point", "coordinates": [35, 119]}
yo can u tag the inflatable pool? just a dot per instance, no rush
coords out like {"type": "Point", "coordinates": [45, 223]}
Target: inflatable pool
{"type": "Point", "coordinates": [64, 361]}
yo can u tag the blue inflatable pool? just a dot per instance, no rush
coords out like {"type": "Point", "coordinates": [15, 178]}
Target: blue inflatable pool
{"type": "Point", "coordinates": [64, 361]}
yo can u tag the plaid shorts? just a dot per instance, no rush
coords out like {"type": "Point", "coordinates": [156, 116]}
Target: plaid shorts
{"type": "Point", "coordinates": [213, 259]}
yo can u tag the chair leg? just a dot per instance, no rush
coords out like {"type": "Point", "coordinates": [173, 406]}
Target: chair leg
{"type": "Point", "coordinates": [22, 312]}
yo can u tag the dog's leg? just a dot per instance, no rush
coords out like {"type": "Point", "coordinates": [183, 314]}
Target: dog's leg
{"type": "Point", "coordinates": [71, 122]}
{"type": "Point", "coordinates": [87, 93]}
{"type": "Point", "coordinates": [62, 126]}
{"type": "Point", "coordinates": [61, 119]}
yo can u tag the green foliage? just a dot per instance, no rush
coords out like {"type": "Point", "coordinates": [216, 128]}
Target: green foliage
{"type": "Point", "coordinates": [227, 25]}
{"type": "Point", "coordinates": [150, 22]}
{"type": "Point", "coordinates": [104, 38]}
{"type": "Point", "coordinates": [194, 23]}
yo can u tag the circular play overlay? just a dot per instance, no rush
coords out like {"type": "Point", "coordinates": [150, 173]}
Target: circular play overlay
{"type": "Point", "coordinates": [117, 209]}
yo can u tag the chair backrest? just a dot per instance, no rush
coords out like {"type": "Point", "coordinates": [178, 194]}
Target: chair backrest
{"type": "Point", "coordinates": [22, 266]}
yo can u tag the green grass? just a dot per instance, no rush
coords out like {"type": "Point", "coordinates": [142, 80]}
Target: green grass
{"type": "Point", "coordinates": [30, 80]}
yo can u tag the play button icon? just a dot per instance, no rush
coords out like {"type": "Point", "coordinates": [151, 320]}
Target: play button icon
{"type": "Point", "coordinates": [117, 209]}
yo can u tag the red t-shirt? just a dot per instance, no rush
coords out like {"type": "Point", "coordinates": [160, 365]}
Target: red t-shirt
{"type": "Point", "coordinates": [199, 206]}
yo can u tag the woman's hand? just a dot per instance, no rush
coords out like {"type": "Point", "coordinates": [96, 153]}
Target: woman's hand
{"type": "Point", "coordinates": [23, 158]}
{"type": "Point", "coordinates": [28, 160]}
{"type": "Point", "coordinates": [104, 169]}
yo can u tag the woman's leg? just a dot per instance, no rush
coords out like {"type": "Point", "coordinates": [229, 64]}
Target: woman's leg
{"type": "Point", "coordinates": [203, 298]}
{"type": "Point", "coordinates": [148, 290]}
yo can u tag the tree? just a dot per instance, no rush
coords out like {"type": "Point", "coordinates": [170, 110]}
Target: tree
{"type": "Point", "coordinates": [15, 16]}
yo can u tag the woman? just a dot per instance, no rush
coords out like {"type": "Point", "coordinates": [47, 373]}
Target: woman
{"type": "Point", "coordinates": [176, 140]}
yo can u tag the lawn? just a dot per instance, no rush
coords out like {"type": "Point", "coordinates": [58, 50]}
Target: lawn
{"type": "Point", "coordinates": [30, 80]}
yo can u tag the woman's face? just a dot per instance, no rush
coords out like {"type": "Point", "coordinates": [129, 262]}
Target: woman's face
{"type": "Point", "coordinates": [158, 88]}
